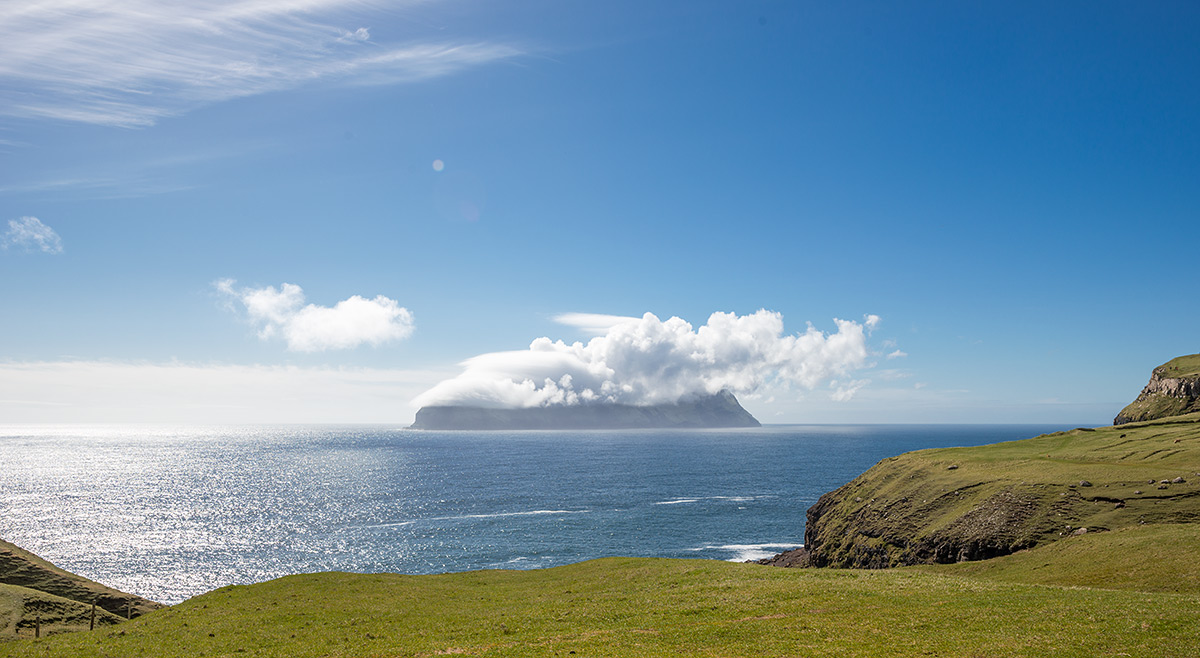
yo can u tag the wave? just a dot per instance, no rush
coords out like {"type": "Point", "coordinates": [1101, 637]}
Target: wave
{"type": "Point", "coordinates": [461, 517]}
{"type": "Point", "coordinates": [501, 514]}
{"type": "Point", "coordinates": [744, 552]}
{"type": "Point", "coordinates": [732, 499]}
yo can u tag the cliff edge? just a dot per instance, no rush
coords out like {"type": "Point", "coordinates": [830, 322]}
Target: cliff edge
{"type": "Point", "coordinates": [1174, 389]}
{"type": "Point", "coordinates": [960, 504]}
{"type": "Point", "coordinates": [720, 410]}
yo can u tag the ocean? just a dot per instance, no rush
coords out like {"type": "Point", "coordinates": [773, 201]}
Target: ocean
{"type": "Point", "coordinates": [171, 512]}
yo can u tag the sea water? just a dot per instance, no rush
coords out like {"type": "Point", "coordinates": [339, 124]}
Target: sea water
{"type": "Point", "coordinates": [171, 512]}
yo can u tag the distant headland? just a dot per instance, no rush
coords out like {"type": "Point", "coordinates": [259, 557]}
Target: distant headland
{"type": "Point", "coordinates": [720, 410]}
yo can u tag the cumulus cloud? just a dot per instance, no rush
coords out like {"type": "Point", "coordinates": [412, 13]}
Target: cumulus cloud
{"type": "Point", "coordinates": [647, 361]}
{"type": "Point", "coordinates": [310, 328]}
{"type": "Point", "coordinates": [898, 354]}
{"type": "Point", "coordinates": [31, 234]}
{"type": "Point", "coordinates": [132, 62]}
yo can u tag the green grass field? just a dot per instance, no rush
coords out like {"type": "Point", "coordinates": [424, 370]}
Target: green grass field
{"type": "Point", "coordinates": [1149, 558]}
{"type": "Point", "coordinates": [651, 607]}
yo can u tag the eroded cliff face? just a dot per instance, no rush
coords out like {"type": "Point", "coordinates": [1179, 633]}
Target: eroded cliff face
{"type": "Point", "coordinates": [1174, 390]}
{"type": "Point", "coordinates": [961, 504]}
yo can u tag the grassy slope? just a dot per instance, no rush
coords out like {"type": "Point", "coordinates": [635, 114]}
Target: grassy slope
{"type": "Point", "coordinates": [1149, 558]}
{"type": "Point", "coordinates": [31, 586]}
{"type": "Point", "coordinates": [639, 607]}
{"type": "Point", "coordinates": [1158, 406]}
{"type": "Point", "coordinates": [916, 508]}
{"type": "Point", "coordinates": [1182, 367]}
{"type": "Point", "coordinates": [21, 608]}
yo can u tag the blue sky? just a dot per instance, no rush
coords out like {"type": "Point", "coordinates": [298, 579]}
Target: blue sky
{"type": "Point", "coordinates": [1011, 188]}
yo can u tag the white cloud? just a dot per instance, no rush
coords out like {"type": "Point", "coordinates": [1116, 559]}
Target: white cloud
{"type": "Point", "coordinates": [649, 361]}
{"type": "Point", "coordinates": [311, 328]}
{"type": "Point", "coordinates": [897, 354]}
{"type": "Point", "coordinates": [31, 234]}
{"type": "Point", "coordinates": [124, 392]}
{"type": "Point", "coordinates": [844, 391]}
{"type": "Point", "coordinates": [132, 62]}
{"type": "Point", "coordinates": [596, 324]}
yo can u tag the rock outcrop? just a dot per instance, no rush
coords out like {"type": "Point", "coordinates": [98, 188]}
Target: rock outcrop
{"type": "Point", "coordinates": [1174, 390]}
{"type": "Point", "coordinates": [714, 411]}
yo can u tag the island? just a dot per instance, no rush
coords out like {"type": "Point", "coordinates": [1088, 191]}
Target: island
{"type": "Point", "coordinates": [720, 410]}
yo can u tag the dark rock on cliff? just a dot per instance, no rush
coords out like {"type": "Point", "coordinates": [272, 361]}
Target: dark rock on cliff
{"type": "Point", "coordinates": [1174, 390]}
{"type": "Point", "coordinates": [795, 558]}
{"type": "Point", "coordinates": [713, 411]}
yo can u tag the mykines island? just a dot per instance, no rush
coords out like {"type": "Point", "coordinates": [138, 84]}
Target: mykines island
{"type": "Point", "coordinates": [1076, 543]}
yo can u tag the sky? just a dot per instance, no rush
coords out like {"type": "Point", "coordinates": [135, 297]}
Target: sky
{"type": "Point", "coordinates": [262, 211]}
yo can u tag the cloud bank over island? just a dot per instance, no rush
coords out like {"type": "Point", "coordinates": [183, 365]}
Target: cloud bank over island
{"type": "Point", "coordinates": [646, 361]}
{"type": "Point", "coordinates": [310, 328]}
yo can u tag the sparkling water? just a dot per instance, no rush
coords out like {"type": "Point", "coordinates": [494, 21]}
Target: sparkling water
{"type": "Point", "coordinates": [171, 512]}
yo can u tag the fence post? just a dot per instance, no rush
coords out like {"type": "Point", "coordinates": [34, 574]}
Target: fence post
{"type": "Point", "coordinates": [37, 626]}
{"type": "Point", "coordinates": [92, 623]}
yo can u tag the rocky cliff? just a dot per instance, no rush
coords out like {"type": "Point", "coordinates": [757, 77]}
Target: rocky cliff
{"type": "Point", "coordinates": [713, 411]}
{"type": "Point", "coordinates": [1174, 389]}
{"type": "Point", "coordinates": [959, 504]}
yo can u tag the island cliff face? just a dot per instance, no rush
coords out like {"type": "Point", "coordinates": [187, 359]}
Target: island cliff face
{"type": "Point", "coordinates": [713, 411]}
{"type": "Point", "coordinates": [1174, 390]}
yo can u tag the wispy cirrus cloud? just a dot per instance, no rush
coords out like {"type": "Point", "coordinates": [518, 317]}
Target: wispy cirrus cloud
{"type": "Point", "coordinates": [30, 234]}
{"type": "Point", "coordinates": [132, 62]}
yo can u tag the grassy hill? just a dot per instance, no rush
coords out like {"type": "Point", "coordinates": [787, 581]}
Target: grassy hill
{"type": "Point", "coordinates": [652, 607]}
{"type": "Point", "coordinates": [1144, 558]}
{"type": "Point", "coordinates": [1183, 367]}
{"type": "Point", "coordinates": [948, 505]}
{"type": "Point", "coordinates": [32, 588]}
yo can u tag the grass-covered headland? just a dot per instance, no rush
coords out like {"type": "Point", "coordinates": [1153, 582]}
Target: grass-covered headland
{"type": "Point", "coordinates": [957, 504]}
